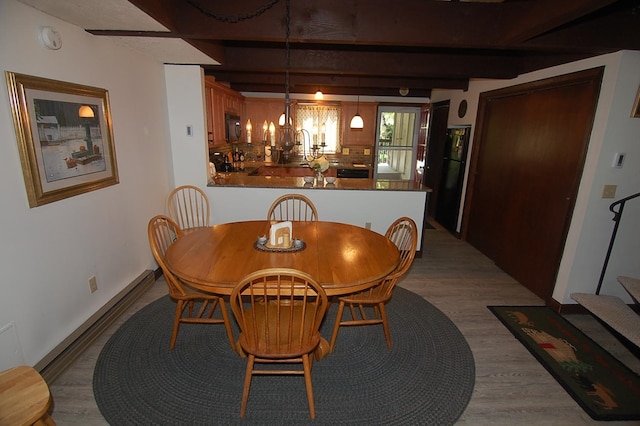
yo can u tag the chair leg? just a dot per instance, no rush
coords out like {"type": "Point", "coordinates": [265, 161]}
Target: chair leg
{"type": "Point", "coordinates": [385, 323]}
{"type": "Point", "coordinates": [247, 384]}
{"type": "Point", "coordinates": [306, 362]}
{"type": "Point", "coordinates": [176, 324]}
{"type": "Point", "coordinates": [336, 326]}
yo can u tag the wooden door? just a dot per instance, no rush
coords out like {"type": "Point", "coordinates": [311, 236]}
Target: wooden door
{"type": "Point", "coordinates": [527, 162]}
{"type": "Point", "coordinates": [435, 152]}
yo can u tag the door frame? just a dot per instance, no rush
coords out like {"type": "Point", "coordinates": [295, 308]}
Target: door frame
{"type": "Point", "coordinates": [414, 143]}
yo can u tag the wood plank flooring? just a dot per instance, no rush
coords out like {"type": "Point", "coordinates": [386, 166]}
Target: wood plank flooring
{"type": "Point", "coordinates": [511, 386]}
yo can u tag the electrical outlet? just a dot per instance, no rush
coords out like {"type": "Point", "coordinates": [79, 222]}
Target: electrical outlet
{"type": "Point", "coordinates": [609, 191]}
{"type": "Point", "coordinates": [93, 284]}
{"type": "Point", "coordinates": [345, 151]}
{"type": "Point", "coordinates": [367, 225]}
{"type": "Point", "coordinates": [367, 151]}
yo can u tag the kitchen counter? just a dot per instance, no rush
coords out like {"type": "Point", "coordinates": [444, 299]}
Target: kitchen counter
{"type": "Point", "coordinates": [243, 179]}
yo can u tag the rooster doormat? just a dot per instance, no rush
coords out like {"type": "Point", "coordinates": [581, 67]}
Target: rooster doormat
{"type": "Point", "coordinates": [604, 387]}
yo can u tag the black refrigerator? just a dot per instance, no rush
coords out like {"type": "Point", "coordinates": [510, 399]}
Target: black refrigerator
{"type": "Point", "coordinates": [452, 178]}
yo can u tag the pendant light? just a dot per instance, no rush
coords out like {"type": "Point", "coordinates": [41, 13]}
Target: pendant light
{"type": "Point", "coordinates": [356, 121]}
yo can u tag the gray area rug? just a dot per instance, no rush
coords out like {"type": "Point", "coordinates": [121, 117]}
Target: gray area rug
{"type": "Point", "coordinates": [427, 378]}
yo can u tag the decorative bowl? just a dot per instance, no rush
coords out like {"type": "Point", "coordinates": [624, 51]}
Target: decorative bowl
{"type": "Point", "coordinates": [330, 179]}
{"type": "Point", "coordinates": [308, 179]}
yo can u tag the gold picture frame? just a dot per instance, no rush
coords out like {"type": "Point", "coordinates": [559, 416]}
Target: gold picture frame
{"type": "Point", "coordinates": [636, 106]}
{"type": "Point", "coordinates": [65, 137]}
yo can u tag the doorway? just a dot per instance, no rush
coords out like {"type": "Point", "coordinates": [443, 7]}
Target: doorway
{"type": "Point", "coordinates": [396, 142]}
{"type": "Point", "coordinates": [438, 120]}
{"type": "Point", "coordinates": [527, 160]}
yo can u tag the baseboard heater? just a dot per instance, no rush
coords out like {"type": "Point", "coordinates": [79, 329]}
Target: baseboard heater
{"type": "Point", "coordinates": [61, 357]}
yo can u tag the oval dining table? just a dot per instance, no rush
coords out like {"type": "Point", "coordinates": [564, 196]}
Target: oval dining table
{"type": "Point", "coordinates": [342, 258]}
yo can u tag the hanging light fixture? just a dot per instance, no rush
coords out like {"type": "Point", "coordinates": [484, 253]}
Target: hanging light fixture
{"type": "Point", "coordinates": [356, 121]}
{"type": "Point", "coordinates": [287, 141]}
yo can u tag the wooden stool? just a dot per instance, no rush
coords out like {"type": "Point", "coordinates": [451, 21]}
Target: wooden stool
{"type": "Point", "coordinates": [24, 398]}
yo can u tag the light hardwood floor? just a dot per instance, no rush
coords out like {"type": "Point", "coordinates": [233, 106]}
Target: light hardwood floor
{"type": "Point", "coordinates": [511, 386]}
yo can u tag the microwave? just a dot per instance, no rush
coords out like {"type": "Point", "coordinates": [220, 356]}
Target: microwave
{"type": "Point", "coordinates": [232, 127]}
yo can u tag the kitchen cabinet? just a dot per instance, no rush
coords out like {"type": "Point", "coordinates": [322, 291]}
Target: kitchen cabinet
{"type": "Point", "coordinates": [259, 110]}
{"type": "Point", "coordinates": [369, 113]}
{"type": "Point", "coordinates": [219, 100]}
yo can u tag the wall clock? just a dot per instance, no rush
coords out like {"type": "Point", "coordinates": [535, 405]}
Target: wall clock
{"type": "Point", "coordinates": [51, 38]}
{"type": "Point", "coordinates": [462, 108]}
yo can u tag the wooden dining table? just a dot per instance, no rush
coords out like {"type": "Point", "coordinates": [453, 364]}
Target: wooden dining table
{"type": "Point", "coordinates": [343, 258]}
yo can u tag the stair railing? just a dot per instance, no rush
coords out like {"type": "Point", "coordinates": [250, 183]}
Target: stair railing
{"type": "Point", "coordinates": [617, 215]}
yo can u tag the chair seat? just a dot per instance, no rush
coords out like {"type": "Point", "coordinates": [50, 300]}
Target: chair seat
{"type": "Point", "coordinates": [367, 298]}
{"type": "Point", "coordinates": [24, 397]}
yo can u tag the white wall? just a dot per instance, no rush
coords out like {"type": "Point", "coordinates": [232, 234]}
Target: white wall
{"type": "Point", "coordinates": [355, 207]}
{"type": "Point", "coordinates": [614, 131]}
{"type": "Point", "coordinates": [186, 105]}
{"type": "Point", "coordinates": [49, 252]}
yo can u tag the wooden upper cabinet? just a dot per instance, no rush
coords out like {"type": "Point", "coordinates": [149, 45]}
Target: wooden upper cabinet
{"type": "Point", "coordinates": [259, 110]}
{"type": "Point", "coordinates": [219, 100]}
{"type": "Point", "coordinates": [369, 113]}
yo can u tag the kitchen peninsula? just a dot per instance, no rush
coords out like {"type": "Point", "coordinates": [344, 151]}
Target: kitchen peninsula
{"type": "Point", "coordinates": [369, 203]}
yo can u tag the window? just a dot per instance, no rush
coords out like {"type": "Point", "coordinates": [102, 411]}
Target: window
{"type": "Point", "coordinates": [322, 124]}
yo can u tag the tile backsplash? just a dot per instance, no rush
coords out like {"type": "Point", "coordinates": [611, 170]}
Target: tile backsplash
{"type": "Point", "coordinates": [356, 152]}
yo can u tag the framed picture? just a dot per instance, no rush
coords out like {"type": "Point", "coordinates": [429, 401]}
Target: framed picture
{"type": "Point", "coordinates": [64, 135]}
{"type": "Point", "coordinates": [636, 106]}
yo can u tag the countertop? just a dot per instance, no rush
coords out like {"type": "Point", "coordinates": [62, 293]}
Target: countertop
{"type": "Point", "coordinates": [250, 166]}
{"type": "Point", "coordinates": [242, 179]}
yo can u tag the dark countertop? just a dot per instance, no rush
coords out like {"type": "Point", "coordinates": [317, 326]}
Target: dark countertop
{"type": "Point", "coordinates": [250, 166]}
{"type": "Point", "coordinates": [242, 179]}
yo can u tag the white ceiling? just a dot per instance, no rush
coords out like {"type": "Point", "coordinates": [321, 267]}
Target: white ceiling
{"type": "Point", "coordinates": [122, 15]}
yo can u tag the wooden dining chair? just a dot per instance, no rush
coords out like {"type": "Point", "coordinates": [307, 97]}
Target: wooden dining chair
{"type": "Point", "coordinates": [188, 206]}
{"type": "Point", "coordinates": [279, 312]}
{"type": "Point", "coordinates": [293, 207]}
{"type": "Point", "coordinates": [404, 234]}
{"type": "Point", "coordinates": [193, 306]}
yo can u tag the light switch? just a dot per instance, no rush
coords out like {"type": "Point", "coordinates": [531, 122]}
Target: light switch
{"type": "Point", "coordinates": [345, 151]}
{"type": "Point", "coordinates": [609, 191]}
{"type": "Point", "coordinates": [367, 151]}
{"type": "Point", "coordinates": [618, 160]}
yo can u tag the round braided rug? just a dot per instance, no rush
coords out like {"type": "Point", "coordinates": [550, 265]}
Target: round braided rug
{"type": "Point", "coordinates": [427, 378]}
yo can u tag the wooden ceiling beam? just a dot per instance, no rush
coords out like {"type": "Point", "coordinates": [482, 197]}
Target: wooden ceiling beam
{"type": "Point", "coordinates": [363, 91]}
{"type": "Point", "coordinates": [326, 80]}
{"type": "Point", "coordinates": [417, 65]}
{"type": "Point", "coordinates": [545, 15]}
{"type": "Point", "coordinates": [368, 22]}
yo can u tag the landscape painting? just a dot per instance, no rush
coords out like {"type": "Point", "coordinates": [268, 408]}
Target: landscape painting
{"type": "Point", "coordinates": [64, 135]}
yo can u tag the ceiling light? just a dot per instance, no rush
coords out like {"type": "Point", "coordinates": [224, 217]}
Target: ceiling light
{"type": "Point", "coordinates": [356, 121]}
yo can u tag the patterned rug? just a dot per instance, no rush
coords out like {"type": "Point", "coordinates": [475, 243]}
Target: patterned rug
{"type": "Point", "coordinates": [604, 387]}
{"type": "Point", "coordinates": [427, 378]}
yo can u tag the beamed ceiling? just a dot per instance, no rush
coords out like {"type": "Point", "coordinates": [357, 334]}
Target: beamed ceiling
{"type": "Point", "coordinates": [375, 47]}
